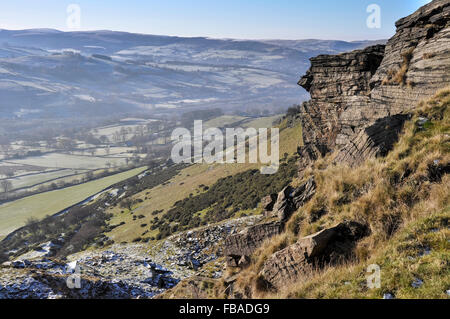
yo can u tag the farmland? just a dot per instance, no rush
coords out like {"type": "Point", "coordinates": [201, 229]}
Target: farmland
{"type": "Point", "coordinates": [47, 177]}
{"type": "Point", "coordinates": [58, 160]}
{"type": "Point", "coordinates": [15, 214]}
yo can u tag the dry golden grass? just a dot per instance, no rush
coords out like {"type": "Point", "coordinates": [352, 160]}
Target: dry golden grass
{"type": "Point", "coordinates": [398, 76]}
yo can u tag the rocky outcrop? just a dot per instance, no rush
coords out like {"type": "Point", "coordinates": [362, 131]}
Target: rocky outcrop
{"type": "Point", "coordinates": [338, 84]}
{"type": "Point", "coordinates": [284, 206]}
{"type": "Point", "coordinates": [268, 202]}
{"type": "Point", "coordinates": [328, 246]}
{"type": "Point", "coordinates": [239, 247]}
{"type": "Point", "coordinates": [351, 91]}
{"type": "Point", "coordinates": [418, 54]}
{"type": "Point", "coordinates": [373, 141]}
{"type": "Point", "coordinates": [290, 199]}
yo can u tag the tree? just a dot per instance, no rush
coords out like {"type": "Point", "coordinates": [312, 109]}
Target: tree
{"type": "Point", "coordinates": [123, 133]}
{"type": "Point", "coordinates": [9, 172]}
{"type": "Point", "coordinates": [5, 145]}
{"type": "Point", "coordinates": [67, 144]}
{"type": "Point", "coordinates": [89, 175]}
{"type": "Point", "coordinates": [6, 185]}
{"type": "Point", "coordinates": [127, 203]}
{"type": "Point", "coordinates": [104, 139]}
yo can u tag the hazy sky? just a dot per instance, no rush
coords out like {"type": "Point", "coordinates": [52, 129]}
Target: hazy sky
{"type": "Point", "coordinates": [249, 19]}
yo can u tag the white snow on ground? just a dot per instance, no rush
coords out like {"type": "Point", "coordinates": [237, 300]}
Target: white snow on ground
{"type": "Point", "coordinates": [85, 97]}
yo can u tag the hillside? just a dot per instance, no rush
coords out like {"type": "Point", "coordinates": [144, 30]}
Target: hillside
{"type": "Point", "coordinates": [48, 74]}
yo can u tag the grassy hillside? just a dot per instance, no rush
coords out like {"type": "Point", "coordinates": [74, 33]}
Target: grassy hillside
{"type": "Point", "coordinates": [14, 214]}
{"type": "Point", "coordinates": [404, 199]}
{"type": "Point", "coordinates": [193, 180]}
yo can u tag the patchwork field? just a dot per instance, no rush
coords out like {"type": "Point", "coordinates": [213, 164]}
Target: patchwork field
{"type": "Point", "coordinates": [60, 160]}
{"type": "Point", "coordinates": [14, 215]}
{"type": "Point", "coordinates": [263, 122]}
{"type": "Point", "coordinates": [32, 179]}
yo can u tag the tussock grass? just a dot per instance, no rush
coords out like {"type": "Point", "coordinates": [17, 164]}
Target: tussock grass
{"type": "Point", "coordinates": [398, 76]}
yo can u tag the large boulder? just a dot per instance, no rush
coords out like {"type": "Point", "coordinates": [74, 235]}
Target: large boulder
{"type": "Point", "coordinates": [284, 206]}
{"type": "Point", "coordinates": [290, 199]}
{"type": "Point", "coordinates": [297, 261]}
{"type": "Point", "coordinates": [239, 247]}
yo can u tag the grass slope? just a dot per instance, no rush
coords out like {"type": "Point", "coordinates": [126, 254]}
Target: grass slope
{"type": "Point", "coordinates": [163, 197]}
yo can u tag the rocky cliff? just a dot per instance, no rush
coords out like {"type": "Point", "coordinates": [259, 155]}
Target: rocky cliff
{"type": "Point", "coordinates": [359, 103]}
{"type": "Point", "coordinates": [351, 91]}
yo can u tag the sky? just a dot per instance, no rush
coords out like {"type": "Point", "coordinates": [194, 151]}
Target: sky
{"type": "Point", "coordinates": [240, 19]}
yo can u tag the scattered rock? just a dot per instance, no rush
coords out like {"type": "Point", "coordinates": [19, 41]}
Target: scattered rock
{"type": "Point", "coordinates": [417, 283]}
{"type": "Point", "coordinates": [388, 296]}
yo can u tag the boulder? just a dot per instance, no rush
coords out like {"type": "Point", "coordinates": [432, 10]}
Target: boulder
{"type": "Point", "coordinates": [246, 242]}
{"type": "Point", "coordinates": [290, 199]}
{"type": "Point", "coordinates": [297, 261]}
{"type": "Point", "coordinates": [302, 194]}
{"type": "Point", "coordinates": [284, 206]}
{"type": "Point", "coordinates": [268, 202]}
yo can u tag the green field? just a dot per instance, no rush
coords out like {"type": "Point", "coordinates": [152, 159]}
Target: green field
{"type": "Point", "coordinates": [60, 160]}
{"type": "Point", "coordinates": [13, 215]}
{"type": "Point", "coordinates": [223, 121]}
{"type": "Point", "coordinates": [33, 179]}
{"type": "Point", "coordinates": [262, 122]}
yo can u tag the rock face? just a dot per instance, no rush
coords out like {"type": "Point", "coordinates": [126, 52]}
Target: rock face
{"type": "Point", "coordinates": [351, 91]}
{"type": "Point", "coordinates": [268, 202]}
{"type": "Point", "coordinates": [338, 84]}
{"type": "Point", "coordinates": [290, 199]}
{"type": "Point", "coordinates": [422, 40]}
{"type": "Point", "coordinates": [328, 246]}
{"type": "Point", "coordinates": [239, 247]}
{"type": "Point", "coordinates": [375, 140]}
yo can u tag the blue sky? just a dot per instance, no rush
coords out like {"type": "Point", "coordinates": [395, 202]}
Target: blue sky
{"type": "Point", "coordinates": [244, 19]}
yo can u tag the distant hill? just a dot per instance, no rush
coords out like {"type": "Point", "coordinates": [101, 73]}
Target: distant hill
{"type": "Point", "coordinates": [52, 74]}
